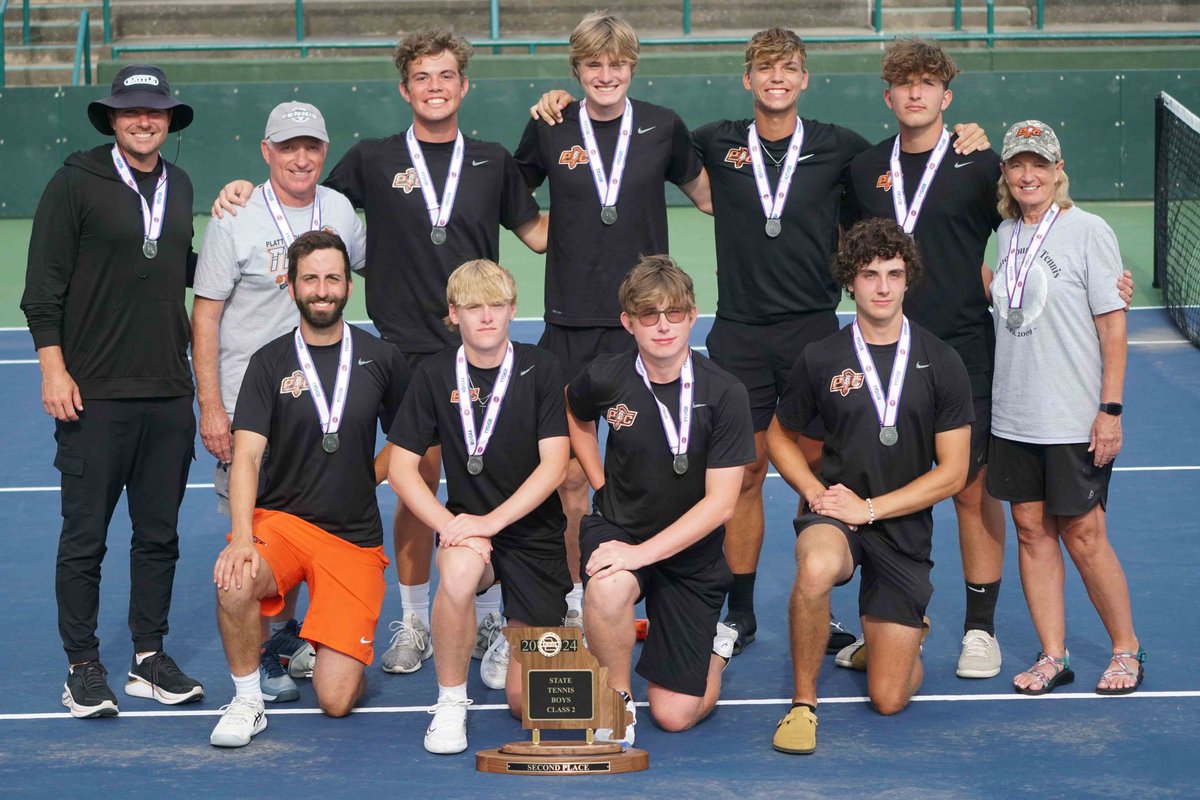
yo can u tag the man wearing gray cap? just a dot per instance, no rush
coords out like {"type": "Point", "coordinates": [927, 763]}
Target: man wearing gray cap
{"type": "Point", "coordinates": [242, 303]}
{"type": "Point", "coordinates": [109, 258]}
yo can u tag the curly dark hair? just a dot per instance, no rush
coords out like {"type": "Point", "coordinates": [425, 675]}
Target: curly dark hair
{"type": "Point", "coordinates": [907, 57]}
{"type": "Point", "coordinates": [872, 239]}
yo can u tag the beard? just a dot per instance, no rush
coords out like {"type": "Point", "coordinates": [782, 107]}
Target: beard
{"type": "Point", "coordinates": [322, 319]}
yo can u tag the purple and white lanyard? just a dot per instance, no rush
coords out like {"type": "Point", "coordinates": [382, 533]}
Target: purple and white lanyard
{"type": "Point", "coordinates": [886, 408]}
{"type": "Point", "coordinates": [773, 207]}
{"type": "Point", "coordinates": [439, 213]}
{"type": "Point", "coordinates": [906, 216]}
{"type": "Point", "coordinates": [330, 415]}
{"type": "Point", "coordinates": [677, 438]}
{"type": "Point", "coordinates": [608, 187]}
{"type": "Point", "coordinates": [152, 217]}
{"type": "Point", "coordinates": [276, 209]}
{"type": "Point", "coordinates": [477, 445]}
{"type": "Point", "coordinates": [1014, 280]}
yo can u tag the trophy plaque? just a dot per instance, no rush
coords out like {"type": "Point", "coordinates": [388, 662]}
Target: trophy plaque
{"type": "Point", "coordinates": [565, 688]}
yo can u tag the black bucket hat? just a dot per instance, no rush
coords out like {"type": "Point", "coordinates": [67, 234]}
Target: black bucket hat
{"type": "Point", "coordinates": [139, 86]}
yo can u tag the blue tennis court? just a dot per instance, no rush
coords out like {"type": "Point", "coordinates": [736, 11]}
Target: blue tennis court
{"type": "Point", "coordinates": [958, 739]}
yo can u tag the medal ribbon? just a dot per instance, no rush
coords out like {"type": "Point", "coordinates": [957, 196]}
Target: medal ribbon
{"type": "Point", "coordinates": [330, 416]}
{"type": "Point", "coordinates": [887, 409]}
{"type": "Point", "coordinates": [477, 446]}
{"type": "Point", "coordinates": [607, 188]}
{"type": "Point", "coordinates": [906, 216]}
{"type": "Point", "coordinates": [677, 439]}
{"type": "Point", "coordinates": [152, 219]}
{"type": "Point", "coordinates": [439, 214]}
{"type": "Point", "coordinates": [1014, 280]}
{"type": "Point", "coordinates": [281, 223]}
{"type": "Point", "coordinates": [774, 208]}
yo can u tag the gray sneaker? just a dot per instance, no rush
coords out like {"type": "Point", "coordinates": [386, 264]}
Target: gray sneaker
{"type": "Point", "coordinates": [489, 629]}
{"type": "Point", "coordinates": [410, 645]}
{"type": "Point", "coordinates": [980, 656]}
{"type": "Point", "coordinates": [276, 685]}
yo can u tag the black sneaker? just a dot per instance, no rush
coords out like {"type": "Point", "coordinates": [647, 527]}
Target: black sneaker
{"type": "Point", "coordinates": [746, 626]}
{"type": "Point", "coordinates": [294, 653]}
{"type": "Point", "coordinates": [839, 637]}
{"type": "Point", "coordinates": [159, 678]}
{"type": "Point", "coordinates": [86, 692]}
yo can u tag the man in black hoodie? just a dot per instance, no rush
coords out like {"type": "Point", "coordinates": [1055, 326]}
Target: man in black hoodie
{"type": "Point", "coordinates": [109, 258]}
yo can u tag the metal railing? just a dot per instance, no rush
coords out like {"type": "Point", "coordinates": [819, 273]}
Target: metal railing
{"type": "Point", "coordinates": [83, 51]}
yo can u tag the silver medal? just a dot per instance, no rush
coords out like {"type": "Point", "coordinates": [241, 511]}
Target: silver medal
{"type": "Point", "coordinates": [438, 235]}
{"type": "Point", "coordinates": [608, 215]}
{"type": "Point", "coordinates": [1015, 318]}
{"type": "Point", "coordinates": [888, 435]}
{"type": "Point", "coordinates": [774, 227]}
{"type": "Point", "coordinates": [680, 464]}
{"type": "Point", "coordinates": [150, 248]}
{"type": "Point", "coordinates": [475, 465]}
{"type": "Point", "coordinates": [330, 442]}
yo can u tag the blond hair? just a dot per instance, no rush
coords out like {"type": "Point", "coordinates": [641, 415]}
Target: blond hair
{"type": "Point", "coordinates": [420, 44]}
{"type": "Point", "coordinates": [656, 279]}
{"type": "Point", "coordinates": [908, 57]}
{"type": "Point", "coordinates": [1009, 208]}
{"type": "Point", "coordinates": [603, 34]}
{"type": "Point", "coordinates": [773, 45]}
{"type": "Point", "coordinates": [479, 282]}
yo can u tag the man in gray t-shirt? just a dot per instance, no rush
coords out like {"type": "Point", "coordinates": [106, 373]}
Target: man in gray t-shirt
{"type": "Point", "coordinates": [242, 303]}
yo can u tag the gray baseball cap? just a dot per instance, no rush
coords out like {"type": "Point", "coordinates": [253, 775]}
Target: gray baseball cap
{"type": "Point", "coordinates": [289, 120]}
{"type": "Point", "coordinates": [1032, 136]}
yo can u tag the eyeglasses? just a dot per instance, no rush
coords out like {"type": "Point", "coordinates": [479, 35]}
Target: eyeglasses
{"type": "Point", "coordinates": [650, 316]}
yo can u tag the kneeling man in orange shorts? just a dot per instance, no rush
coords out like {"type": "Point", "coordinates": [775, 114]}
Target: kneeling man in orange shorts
{"type": "Point", "coordinates": [309, 407]}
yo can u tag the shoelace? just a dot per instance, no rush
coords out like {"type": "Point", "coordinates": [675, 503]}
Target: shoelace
{"type": "Point", "coordinates": [405, 634]}
{"type": "Point", "coordinates": [489, 629]}
{"type": "Point", "coordinates": [270, 664]}
{"type": "Point", "coordinates": [976, 646]}
{"type": "Point", "coordinates": [450, 703]}
{"type": "Point", "coordinates": [240, 709]}
{"type": "Point", "coordinates": [93, 676]}
{"type": "Point", "coordinates": [162, 666]}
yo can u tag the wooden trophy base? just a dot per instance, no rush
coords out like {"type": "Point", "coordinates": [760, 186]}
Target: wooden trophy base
{"type": "Point", "coordinates": [561, 758]}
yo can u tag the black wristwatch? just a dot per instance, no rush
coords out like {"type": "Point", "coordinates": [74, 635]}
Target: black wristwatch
{"type": "Point", "coordinates": [1112, 409]}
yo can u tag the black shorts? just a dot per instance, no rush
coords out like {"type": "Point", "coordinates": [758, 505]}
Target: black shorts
{"type": "Point", "coordinates": [762, 357]}
{"type": "Point", "coordinates": [981, 432]}
{"type": "Point", "coordinates": [576, 347]}
{"type": "Point", "coordinates": [1063, 476]}
{"type": "Point", "coordinates": [893, 586]}
{"type": "Point", "coordinates": [533, 590]}
{"type": "Point", "coordinates": [683, 607]}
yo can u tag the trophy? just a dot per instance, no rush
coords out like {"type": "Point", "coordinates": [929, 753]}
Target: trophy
{"type": "Point", "coordinates": [565, 688]}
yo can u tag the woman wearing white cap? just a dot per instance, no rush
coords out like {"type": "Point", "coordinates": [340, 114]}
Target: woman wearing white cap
{"type": "Point", "coordinates": [1056, 413]}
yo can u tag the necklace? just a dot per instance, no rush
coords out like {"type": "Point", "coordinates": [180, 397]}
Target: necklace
{"type": "Point", "coordinates": [778, 162]}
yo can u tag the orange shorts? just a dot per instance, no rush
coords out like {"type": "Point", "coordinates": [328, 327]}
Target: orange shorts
{"type": "Point", "coordinates": [345, 582]}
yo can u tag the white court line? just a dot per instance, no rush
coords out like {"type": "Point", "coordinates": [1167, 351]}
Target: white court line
{"type": "Point", "coordinates": [781, 701]}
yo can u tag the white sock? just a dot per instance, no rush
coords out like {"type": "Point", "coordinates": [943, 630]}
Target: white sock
{"type": "Point", "coordinates": [487, 603]}
{"type": "Point", "coordinates": [247, 686]}
{"type": "Point", "coordinates": [140, 657]}
{"type": "Point", "coordinates": [575, 598]}
{"type": "Point", "coordinates": [452, 692]}
{"type": "Point", "coordinates": [415, 600]}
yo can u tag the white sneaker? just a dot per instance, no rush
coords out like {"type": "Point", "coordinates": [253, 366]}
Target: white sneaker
{"type": "Point", "coordinates": [724, 641]}
{"type": "Point", "coordinates": [488, 630]}
{"type": "Point", "coordinates": [606, 734]}
{"type": "Point", "coordinates": [980, 656]}
{"type": "Point", "coordinates": [240, 721]}
{"type": "Point", "coordinates": [493, 668]}
{"type": "Point", "coordinates": [410, 645]}
{"type": "Point", "coordinates": [447, 732]}
{"type": "Point", "coordinates": [573, 619]}
{"type": "Point", "coordinates": [853, 656]}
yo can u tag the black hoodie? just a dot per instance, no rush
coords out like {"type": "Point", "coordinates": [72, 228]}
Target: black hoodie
{"type": "Point", "coordinates": [119, 317]}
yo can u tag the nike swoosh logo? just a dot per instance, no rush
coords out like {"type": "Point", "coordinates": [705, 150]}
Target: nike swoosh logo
{"type": "Point", "coordinates": [527, 369]}
{"type": "Point", "coordinates": [362, 363]}
{"type": "Point", "coordinates": [980, 591]}
{"type": "Point", "coordinates": [475, 163]}
{"type": "Point", "coordinates": [961, 164]}
{"type": "Point", "coordinates": [922, 366]}
{"type": "Point", "coordinates": [361, 640]}
{"type": "Point", "coordinates": [647, 130]}
{"type": "Point", "coordinates": [806, 155]}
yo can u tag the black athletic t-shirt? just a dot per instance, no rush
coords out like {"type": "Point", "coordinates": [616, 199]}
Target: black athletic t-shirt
{"type": "Point", "coordinates": [334, 491]}
{"type": "Point", "coordinates": [761, 280]}
{"type": "Point", "coordinates": [952, 233]}
{"type": "Point", "coordinates": [642, 493]}
{"type": "Point", "coordinates": [827, 380]}
{"type": "Point", "coordinates": [406, 272]}
{"type": "Point", "coordinates": [586, 260]}
{"type": "Point", "coordinates": [532, 411]}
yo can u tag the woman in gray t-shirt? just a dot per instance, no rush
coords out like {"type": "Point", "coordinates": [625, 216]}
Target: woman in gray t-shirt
{"type": "Point", "coordinates": [1056, 403]}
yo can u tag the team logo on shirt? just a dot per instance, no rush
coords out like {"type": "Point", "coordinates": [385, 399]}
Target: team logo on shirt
{"type": "Point", "coordinates": [474, 395]}
{"type": "Point", "coordinates": [573, 157]}
{"type": "Point", "coordinates": [738, 156]}
{"type": "Point", "coordinates": [406, 180]}
{"type": "Point", "coordinates": [1029, 132]}
{"type": "Point", "coordinates": [846, 381]}
{"type": "Point", "coordinates": [620, 416]}
{"type": "Point", "coordinates": [294, 384]}
{"type": "Point", "coordinates": [884, 181]}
